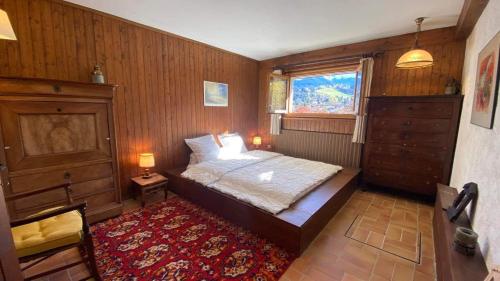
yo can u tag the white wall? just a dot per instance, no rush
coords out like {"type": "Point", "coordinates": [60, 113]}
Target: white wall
{"type": "Point", "coordinates": [477, 156]}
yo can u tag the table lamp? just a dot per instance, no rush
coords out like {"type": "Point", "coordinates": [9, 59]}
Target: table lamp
{"type": "Point", "coordinates": [146, 161]}
{"type": "Point", "coordinates": [257, 141]}
{"type": "Point", "coordinates": [6, 31]}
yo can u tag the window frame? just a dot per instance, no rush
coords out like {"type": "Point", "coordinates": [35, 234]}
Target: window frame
{"type": "Point", "coordinates": [287, 94]}
{"type": "Point", "coordinates": [349, 68]}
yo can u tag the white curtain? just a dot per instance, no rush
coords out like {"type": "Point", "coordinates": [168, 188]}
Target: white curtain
{"type": "Point", "coordinates": [359, 134]}
{"type": "Point", "coordinates": [275, 124]}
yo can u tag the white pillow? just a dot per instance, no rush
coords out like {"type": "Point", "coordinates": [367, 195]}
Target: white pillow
{"type": "Point", "coordinates": [204, 148]}
{"type": "Point", "coordinates": [192, 160]}
{"type": "Point", "coordinates": [232, 143]}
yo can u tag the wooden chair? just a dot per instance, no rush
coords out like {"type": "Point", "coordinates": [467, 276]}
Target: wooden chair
{"type": "Point", "coordinates": [44, 234]}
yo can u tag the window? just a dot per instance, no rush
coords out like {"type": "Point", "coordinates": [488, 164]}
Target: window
{"type": "Point", "coordinates": [327, 93]}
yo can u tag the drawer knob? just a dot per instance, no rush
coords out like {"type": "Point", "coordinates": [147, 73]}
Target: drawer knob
{"type": "Point", "coordinates": [407, 123]}
{"type": "Point", "coordinates": [427, 182]}
{"type": "Point", "coordinates": [6, 147]}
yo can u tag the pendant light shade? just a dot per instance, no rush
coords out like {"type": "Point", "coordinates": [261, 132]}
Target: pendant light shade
{"type": "Point", "coordinates": [6, 31]}
{"type": "Point", "coordinates": [416, 57]}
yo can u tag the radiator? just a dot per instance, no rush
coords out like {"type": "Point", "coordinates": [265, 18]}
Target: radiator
{"type": "Point", "coordinates": [325, 147]}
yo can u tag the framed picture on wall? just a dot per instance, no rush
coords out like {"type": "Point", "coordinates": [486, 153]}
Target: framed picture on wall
{"type": "Point", "coordinates": [215, 94]}
{"type": "Point", "coordinates": [486, 88]}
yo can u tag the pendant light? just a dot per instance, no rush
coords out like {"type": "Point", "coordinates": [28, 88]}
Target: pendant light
{"type": "Point", "coordinates": [416, 57]}
{"type": "Point", "coordinates": [6, 31]}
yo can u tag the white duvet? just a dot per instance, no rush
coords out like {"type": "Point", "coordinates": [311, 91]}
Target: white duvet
{"type": "Point", "coordinates": [268, 180]}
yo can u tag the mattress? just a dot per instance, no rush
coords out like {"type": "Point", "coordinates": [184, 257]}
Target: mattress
{"type": "Point", "coordinates": [267, 180]}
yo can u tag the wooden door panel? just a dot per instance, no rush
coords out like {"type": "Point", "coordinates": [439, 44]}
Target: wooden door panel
{"type": "Point", "coordinates": [42, 134]}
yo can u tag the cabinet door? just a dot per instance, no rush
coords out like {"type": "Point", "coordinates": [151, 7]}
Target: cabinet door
{"type": "Point", "coordinates": [42, 134]}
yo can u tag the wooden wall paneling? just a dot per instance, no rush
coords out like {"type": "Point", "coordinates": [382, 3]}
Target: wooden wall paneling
{"type": "Point", "coordinates": [23, 31]}
{"type": "Point", "coordinates": [159, 100]}
{"type": "Point", "coordinates": [13, 65]}
{"type": "Point", "coordinates": [448, 53]}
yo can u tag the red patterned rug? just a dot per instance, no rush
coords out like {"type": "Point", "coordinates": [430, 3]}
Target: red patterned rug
{"type": "Point", "coordinates": [177, 240]}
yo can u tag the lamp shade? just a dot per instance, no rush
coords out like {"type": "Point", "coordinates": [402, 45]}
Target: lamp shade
{"type": "Point", "coordinates": [6, 31]}
{"type": "Point", "coordinates": [257, 140]}
{"type": "Point", "coordinates": [415, 58]}
{"type": "Point", "coordinates": [146, 160]}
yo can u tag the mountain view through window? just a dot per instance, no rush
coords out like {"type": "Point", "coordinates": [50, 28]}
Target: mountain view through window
{"type": "Point", "coordinates": [325, 93]}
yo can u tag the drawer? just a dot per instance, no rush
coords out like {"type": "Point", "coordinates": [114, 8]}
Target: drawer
{"type": "Point", "coordinates": [24, 208]}
{"type": "Point", "coordinates": [422, 185]}
{"type": "Point", "coordinates": [382, 150]}
{"type": "Point", "coordinates": [383, 177]}
{"type": "Point", "coordinates": [387, 162]}
{"type": "Point", "coordinates": [414, 152]}
{"type": "Point", "coordinates": [427, 153]}
{"type": "Point", "coordinates": [411, 125]}
{"type": "Point", "coordinates": [78, 174]}
{"type": "Point", "coordinates": [422, 167]}
{"type": "Point", "coordinates": [404, 164]}
{"type": "Point", "coordinates": [58, 197]}
{"type": "Point", "coordinates": [99, 200]}
{"type": "Point", "coordinates": [412, 109]}
{"type": "Point", "coordinates": [412, 139]}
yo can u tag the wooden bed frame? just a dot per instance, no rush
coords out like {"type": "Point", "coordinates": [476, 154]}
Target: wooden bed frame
{"type": "Point", "coordinates": [294, 228]}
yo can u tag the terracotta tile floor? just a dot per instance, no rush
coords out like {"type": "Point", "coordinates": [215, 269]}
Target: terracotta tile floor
{"type": "Point", "coordinates": [384, 221]}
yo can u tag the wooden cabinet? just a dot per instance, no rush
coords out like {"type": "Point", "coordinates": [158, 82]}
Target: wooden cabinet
{"type": "Point", "coordinates": [410, 141]}
{"type": "Point", "coordinates": [53, 129]}
{"type": "Point", "coordinates": [9, 265]}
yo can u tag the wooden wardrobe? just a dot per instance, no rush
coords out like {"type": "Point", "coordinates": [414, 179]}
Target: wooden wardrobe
{"type": "Point", "coordinates": [52, 129]}
{"type": "Point", "coordinates": [410, 141]}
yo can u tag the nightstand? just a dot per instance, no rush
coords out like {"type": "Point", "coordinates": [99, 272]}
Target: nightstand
{"type": "Point", "coordinates": [149, 186]}
{"type": "Point", "coordinates": [266, 147]}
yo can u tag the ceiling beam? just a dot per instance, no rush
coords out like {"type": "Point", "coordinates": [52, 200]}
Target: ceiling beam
{"type": "Point", "coordinates": [471, 11]}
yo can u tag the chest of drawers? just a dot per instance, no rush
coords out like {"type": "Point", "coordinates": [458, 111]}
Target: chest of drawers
{"type": "Point", "coordinates": [410, 142]}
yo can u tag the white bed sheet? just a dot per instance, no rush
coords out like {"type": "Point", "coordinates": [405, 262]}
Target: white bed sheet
{"type": "Point", "coordinates": [268, 180]}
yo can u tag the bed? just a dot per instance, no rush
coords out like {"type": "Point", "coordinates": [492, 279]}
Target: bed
{"type": "Point", "coordinates": [291, 222]}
